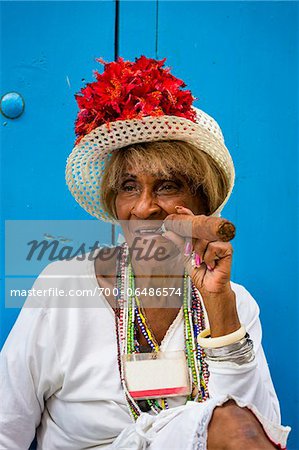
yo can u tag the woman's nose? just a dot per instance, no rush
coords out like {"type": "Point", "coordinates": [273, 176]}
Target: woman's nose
{"type": "Point", "coordinates": [146, 205]}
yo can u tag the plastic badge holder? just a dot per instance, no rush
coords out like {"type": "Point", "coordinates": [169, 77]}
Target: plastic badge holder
{"type": "Point", "coordinates": [157, 375]}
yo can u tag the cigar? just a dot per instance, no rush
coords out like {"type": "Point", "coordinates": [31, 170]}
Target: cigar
{"type": "Point", "coordinates": [201, 227]}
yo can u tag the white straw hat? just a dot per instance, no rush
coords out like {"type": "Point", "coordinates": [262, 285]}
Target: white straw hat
{"type": "Point", "coordinates": [86, 163]}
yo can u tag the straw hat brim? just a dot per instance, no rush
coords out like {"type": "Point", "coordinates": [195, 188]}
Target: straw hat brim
{"type": "Point", "coordinates": [86, 163]}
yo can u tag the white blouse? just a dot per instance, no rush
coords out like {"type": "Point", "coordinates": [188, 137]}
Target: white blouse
{"type": "Point", "coordinates": [59, 369]}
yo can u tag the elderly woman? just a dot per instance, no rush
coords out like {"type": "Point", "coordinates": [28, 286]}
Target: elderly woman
{"type": "Point", "coordinates": [171, 355]}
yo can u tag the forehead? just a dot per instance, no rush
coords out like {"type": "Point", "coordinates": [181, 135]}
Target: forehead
{"type": "Point", "coordinates": [137, 174]}
{"type": "Point", "coordinates": [165, 172]}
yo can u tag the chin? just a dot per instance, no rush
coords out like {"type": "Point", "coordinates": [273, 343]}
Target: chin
{"type": "Point", "coordinates": [152, 250]}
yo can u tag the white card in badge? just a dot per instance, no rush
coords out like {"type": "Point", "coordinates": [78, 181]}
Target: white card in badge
{"type": "Point", "coordinates": [157, 375]}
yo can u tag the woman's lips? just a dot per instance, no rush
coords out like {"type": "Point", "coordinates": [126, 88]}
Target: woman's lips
{"type": "Point", "coordinates": [150, 232]}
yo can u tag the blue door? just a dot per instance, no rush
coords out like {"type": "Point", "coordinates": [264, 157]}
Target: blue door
{"type": "Point", "coordinates": [240, 59]}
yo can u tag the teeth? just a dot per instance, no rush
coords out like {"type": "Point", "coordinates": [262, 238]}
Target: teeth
{"type": "Point", "coordinates": [159, 230]}
{"type": "Point", "coordinates": [148, 230]}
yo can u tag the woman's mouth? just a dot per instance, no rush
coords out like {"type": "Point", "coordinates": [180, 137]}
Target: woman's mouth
{"type": "Point", "coordinates": [150, 232]}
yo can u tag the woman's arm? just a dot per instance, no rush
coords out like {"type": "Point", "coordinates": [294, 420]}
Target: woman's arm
{"type": "Point", "coordinates": [250, 382]}
{"type": "Point", "coordinates": [227, 306]}
{"type": "Point", "coordinates": [29, 374]}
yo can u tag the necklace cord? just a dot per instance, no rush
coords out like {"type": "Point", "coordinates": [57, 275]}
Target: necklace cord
{"type": "Point", "coordinates": [129, 314]}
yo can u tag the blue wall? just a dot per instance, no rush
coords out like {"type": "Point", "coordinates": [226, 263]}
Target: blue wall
{"type": "Point", "coordinates": [240, 59]}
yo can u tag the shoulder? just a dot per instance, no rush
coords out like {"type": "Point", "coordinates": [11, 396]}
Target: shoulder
{"type": "Point", "coordinates": [61, 274]}
{"type": "Point", "coordinates": [72, 282]}
{"type": "Point", "coordinates": [64, 267]}
{"type": "Point", "coordinates": [103, 260]}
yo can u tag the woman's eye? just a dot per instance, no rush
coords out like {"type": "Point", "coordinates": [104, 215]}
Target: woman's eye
{"type": "Point", "coordinates": [128, 187]}
{"type": "Point", "coordinates": [168, 187]}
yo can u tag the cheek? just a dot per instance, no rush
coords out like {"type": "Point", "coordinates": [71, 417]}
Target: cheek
{"type": "Point", "coordinates": [122, 207]}
{"type": "Point", "coordinates": [117, 206]}
{"type": "Point", "coordinates": [195, 204]}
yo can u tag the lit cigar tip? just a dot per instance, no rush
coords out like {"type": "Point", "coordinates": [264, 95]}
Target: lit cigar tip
{"type": "Point", "coordinates": [226, 231]}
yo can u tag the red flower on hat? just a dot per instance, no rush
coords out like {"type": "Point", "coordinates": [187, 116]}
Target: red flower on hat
{"type": "Point", "coordinates": [131, 90]}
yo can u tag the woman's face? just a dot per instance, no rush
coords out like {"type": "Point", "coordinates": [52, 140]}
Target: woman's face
{"type": "Point", "coordinates": [148, 197]}
{"type": "Point", "coordinates": [143, 197]}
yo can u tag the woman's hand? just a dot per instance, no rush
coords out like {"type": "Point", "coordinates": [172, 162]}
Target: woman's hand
{"type": "Point", "coordinates": [213, 271]}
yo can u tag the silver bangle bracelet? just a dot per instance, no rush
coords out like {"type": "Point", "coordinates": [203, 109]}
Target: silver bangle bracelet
{"type": "Point", "coordinates": [227, 349]}
{"type": "Point", "coordinates": [239, 353]}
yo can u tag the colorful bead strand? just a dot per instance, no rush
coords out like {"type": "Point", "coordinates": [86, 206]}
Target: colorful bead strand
{"type": "Point", "coordinates": [131, 315]}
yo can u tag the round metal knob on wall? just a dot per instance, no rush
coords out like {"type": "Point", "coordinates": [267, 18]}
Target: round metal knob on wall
{"type": "Point", "coordinates": [12, 105]}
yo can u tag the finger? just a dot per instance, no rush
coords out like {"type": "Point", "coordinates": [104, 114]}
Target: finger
{"type": "Point", "coordinates": [184, 210]}
{"type": "Point", "coordinates": [178, 240]}
{"type": "Point", "coordinates": [201, 227]}
{"type": "Point", "coordinates": [217, 252]}
{"type": "Point", "coordinates": [200, 246]}
{"type": "Point", "coordinates": [180, 243]}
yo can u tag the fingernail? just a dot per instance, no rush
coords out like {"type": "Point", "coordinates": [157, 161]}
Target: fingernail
{"type": "Point", "coordinates": [197, 260]}
{"type": "Point", "coordinates": [176, 207]}
{"type": "Point", "coordinates": [188, 249]}
{"type": "Point", "coordinates": [210, 268]}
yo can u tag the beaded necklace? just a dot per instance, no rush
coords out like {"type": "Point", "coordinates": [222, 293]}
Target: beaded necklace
{"type": "Point", "coordinates": [144, 327]}
{"type": "Point", "coordinates": [129, 313]}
